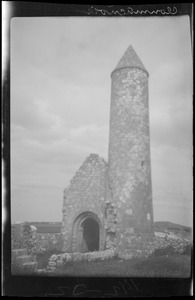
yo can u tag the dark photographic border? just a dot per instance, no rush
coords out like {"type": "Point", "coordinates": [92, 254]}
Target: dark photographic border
{"type": "Point", "coordinates": [74, 286]}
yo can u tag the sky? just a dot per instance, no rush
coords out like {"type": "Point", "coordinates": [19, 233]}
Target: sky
{"type": "Point", "coordinates": [60, 105]}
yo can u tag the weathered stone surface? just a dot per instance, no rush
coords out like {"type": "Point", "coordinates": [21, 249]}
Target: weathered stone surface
{"type": "Point", "coordinates": [48, 242]}
{"type": "Point", "coordinates": [35, 242]}
{"type": "Point", "coordinates": [117, 195]}
{"type": "Point", "coordinates": [130, 60]}
{"type": "Point", "coordinates": [60, 260]}
{"type": "Point", "coordinates": [125, 256]}
{"type": "Point", "coordinates": [84, 198]}
{"type": "Point", "coordinates": [129, 171]}
{"type": "Point", "coordinates": [21, 263]}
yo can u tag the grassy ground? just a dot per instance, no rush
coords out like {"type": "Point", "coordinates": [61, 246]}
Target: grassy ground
{"type": "Point", "coordinates": [45, 227]}
{"type": "Point", "coordinates": [177, 266]}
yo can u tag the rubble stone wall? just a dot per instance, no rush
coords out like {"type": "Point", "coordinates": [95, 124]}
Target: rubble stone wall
{"type": "Point", "coordinates": [35, 242]}
{"type": "Point", "coordinates": [85, 194]}
{"type": "Point", "coordinates": [48, 242]}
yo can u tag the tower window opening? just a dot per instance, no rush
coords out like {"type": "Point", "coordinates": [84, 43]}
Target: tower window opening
{"type": "Point", "coordinates": [148, 217]}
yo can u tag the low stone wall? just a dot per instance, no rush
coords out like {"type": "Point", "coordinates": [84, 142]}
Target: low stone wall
{"type": "Point", "coordinates": [147, 248]}
{"type": "Point", "coordinates": [60, 260]}
{"type": "Point", "coordinates": [22, 263]}
{"type": "Point", "coordinates": [57, 261]}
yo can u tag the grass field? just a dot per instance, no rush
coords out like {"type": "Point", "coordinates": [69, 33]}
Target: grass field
{"type": "Point", "coordinates": [174, 266]}
{"type": "Point", "coordinates": [180, 230]}
{"type": "Point", "coordinates": [46, 227]}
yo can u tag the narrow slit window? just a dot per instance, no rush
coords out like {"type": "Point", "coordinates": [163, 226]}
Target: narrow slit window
{"type": "Point", "coordinates": [148, 217]}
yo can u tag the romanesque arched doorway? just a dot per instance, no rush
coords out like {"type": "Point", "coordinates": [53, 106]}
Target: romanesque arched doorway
{"type": "Point", "coordinates": [90, 238]}
{"type": "Point", "coordinates": [87, 233]}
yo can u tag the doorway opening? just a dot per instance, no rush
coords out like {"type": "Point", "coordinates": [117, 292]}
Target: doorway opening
{"type": "Point", "coordinates": [90, 241]}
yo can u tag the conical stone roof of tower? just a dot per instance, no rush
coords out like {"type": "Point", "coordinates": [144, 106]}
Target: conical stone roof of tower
{"type": "Point", "coordinates": [129, 60]}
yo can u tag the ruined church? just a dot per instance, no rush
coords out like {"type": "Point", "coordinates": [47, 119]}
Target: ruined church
{"type": "Point", "coordinates": [108, 205]}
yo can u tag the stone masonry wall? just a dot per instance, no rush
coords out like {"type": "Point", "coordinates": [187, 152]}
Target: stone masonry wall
{"type": "Point", "coordinates": [129, 171]}
{"type": "Point", "coordinates": [86, 193]}
{"type": "Point", "coordinates": [118, 195]}
{"type": "Point", "coordinates": [36, 242]}
{"type": "Point", "coordinates": [48, 242]}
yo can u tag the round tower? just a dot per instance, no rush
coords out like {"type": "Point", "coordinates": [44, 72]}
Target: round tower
{"type": "Point", "coordinates": [129, 170]}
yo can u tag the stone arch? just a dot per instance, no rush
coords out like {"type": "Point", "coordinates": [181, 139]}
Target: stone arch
{"type": "Point", "coordinates": [87, 233]}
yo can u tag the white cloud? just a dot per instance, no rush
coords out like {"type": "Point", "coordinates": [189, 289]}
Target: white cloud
{"type": "Point", "coordinates": [173, 80]}
{"type": "Point", "coordinates": [60, 104]}
{"type": "Point", "coordinates": [94, 136]}
{"type": "Point", "coordinates": [169, 126]}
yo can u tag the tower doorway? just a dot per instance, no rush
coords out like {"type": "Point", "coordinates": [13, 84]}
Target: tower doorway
{"type": "Point", "coordinates": [90, 240]}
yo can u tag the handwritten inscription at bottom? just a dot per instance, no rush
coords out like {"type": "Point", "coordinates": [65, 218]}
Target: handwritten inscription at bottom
{"type": "Point", "coordinates": [124, 287]}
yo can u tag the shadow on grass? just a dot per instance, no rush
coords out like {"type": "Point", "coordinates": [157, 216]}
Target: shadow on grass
{"type": "Point", "coordinates": [43, 258]}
